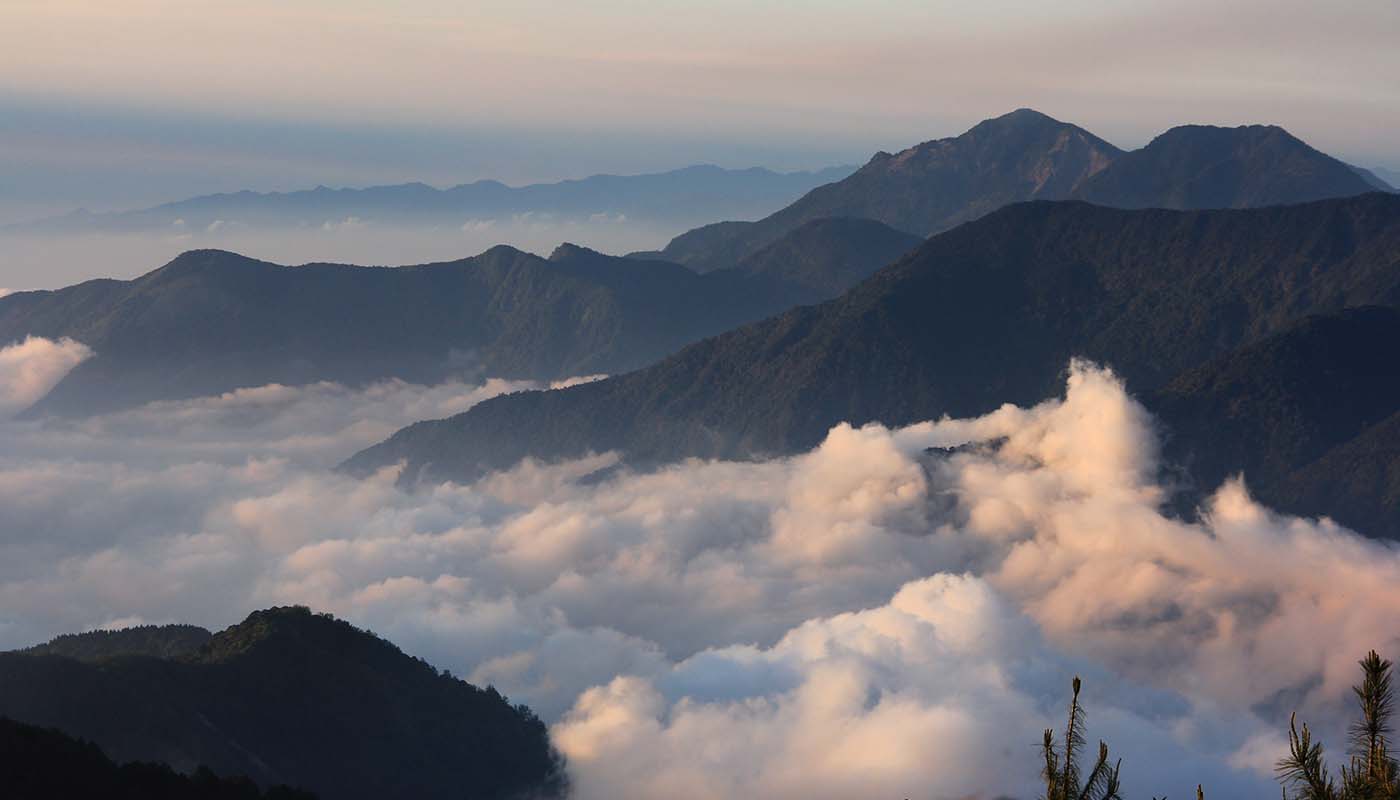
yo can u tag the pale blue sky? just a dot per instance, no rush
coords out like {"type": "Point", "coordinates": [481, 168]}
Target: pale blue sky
{"type": "Point", "coordinates": [111, 103]}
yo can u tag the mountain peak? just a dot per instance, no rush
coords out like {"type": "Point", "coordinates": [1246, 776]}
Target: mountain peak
{"type": "Point", "coordinates": [1220, 132]}
{"type": "Point", "coordinates": [204, 261]}
{"type": "Point", "coordinates": [1023, 115]}
{"type": "Point", "coordinates": [569, 250]}
{"type": "Point", "coordinates": [292, 628]}
{"type": "Point", "coordinates": [1020, 119]}
{"type": "Point", "coordinates": [502, 251]}
{"type": "Point", "coordinates": [204, 255]}
{"type": "Point", "coordinates": [1210, 166]}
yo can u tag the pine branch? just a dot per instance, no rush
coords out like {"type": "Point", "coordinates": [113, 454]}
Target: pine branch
{"type": "Point", "coordinates": [1098, 776]}
{"type": "Point", "coordinates": [1304, 768]}
{"type": "Point", "coordinates": [1371, 764]}
{"type": "Point", "coordinates": [1052, 767]}
{"type": "Point", "coordinates": [1074, 742]}
{"type": "Point", "coordinates": [1112, 787]}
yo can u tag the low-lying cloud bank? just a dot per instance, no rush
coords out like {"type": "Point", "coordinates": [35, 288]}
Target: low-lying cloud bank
{"type": "Point", "coordinates": [895, 613]}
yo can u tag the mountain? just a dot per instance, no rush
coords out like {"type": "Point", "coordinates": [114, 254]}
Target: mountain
{"type": "Point", "coordinates": [928, 188]}
{"type": "Point", "coordinates": [42, 763]}
{"type": "Point", "coordinates": [211, 321]}
{"type": "Point", "coordinates": [1356, 482]}
{"type": "Point", "coordinates": [288, 696]}
{"type": "Point", "coordinates": [1026, 155]}
{"type": "Point", "coordinates": [693, 193]}
{"type": "Point", "coordinates": [825, 257]}
{"type": "Point", "coordinates": [1310, 416]}
{"type": "Point", "coordinates": [1201, 166]}
{"type": "Point", "coordinates": [988, 313]}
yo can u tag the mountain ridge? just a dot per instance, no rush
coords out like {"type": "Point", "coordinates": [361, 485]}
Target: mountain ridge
{"type": "Point", "coordinates": [211, 321]}
{"type": "Point", "coordinates": [695, 191]}
{"type": "Point", "coordinates": [987, 313]}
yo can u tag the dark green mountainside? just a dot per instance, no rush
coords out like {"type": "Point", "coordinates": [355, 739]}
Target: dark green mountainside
{"type": "Point", "coordinates": [296, 698]}
{"type": "Point", "coordinates": [1310, 416]}
{"type": "Point", "coordinates": [987, 313]}
{"type": "Point", "coordinates": [156, 641]}
{"type": "Point", "coordinates": [1025, 155]}
{"type": "Point", "coordinates": [212, 321]}
{"type": "Point", "coordinates": [825, 257]}
{"type": "Point", "coordinates": [44, 763]}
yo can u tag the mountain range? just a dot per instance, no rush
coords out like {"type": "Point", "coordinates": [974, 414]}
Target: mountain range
{"type": "Point", "coordinates": [987, 313]}
{"type": "Point", "coordinates": [285, 697]}
{"type": "Point", "coordinates": [698, 192]}
{"type": "Point", "coordinates": [211, 321]}
{"type": "Point", "coordinates": [1026, 155]}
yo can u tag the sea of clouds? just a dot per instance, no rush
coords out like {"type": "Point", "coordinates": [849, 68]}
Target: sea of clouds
{"type": "Point", "coordinates": [896, 613]}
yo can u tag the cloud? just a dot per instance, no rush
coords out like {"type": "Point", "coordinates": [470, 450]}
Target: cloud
{"type": "Point", "coordinates": [346, 224]}
{"type": "Point", "coordinates": [897, 611]}
{"type": "Point", "coordinates": [939, 693]}
{"type": "Point", "coordinates": [29, 369]}
{"type": "Point", "coordinates": [577, 381]}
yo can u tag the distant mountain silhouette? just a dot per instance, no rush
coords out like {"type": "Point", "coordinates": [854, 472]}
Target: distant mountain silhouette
{"type": "Point", "coordinates": [298, 698]}
{"type": "Point", "coordinates": [44, 763]}
{"type": "Point", "coordinates": [987, 313]}
{"type": "Point", "coordinates": [1026, 155]}
{"type": "Point", "coordinates": [693, 193]}
{"type": "Point", "coordinates": [1310, 416]}
{"type": "Point", "coordinates": [928, 188]}
{"type": "Point", "coordinates": [211, 321]}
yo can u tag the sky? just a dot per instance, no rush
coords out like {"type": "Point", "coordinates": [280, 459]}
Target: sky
{"type": "Point", "coordinates": [115, 104]}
